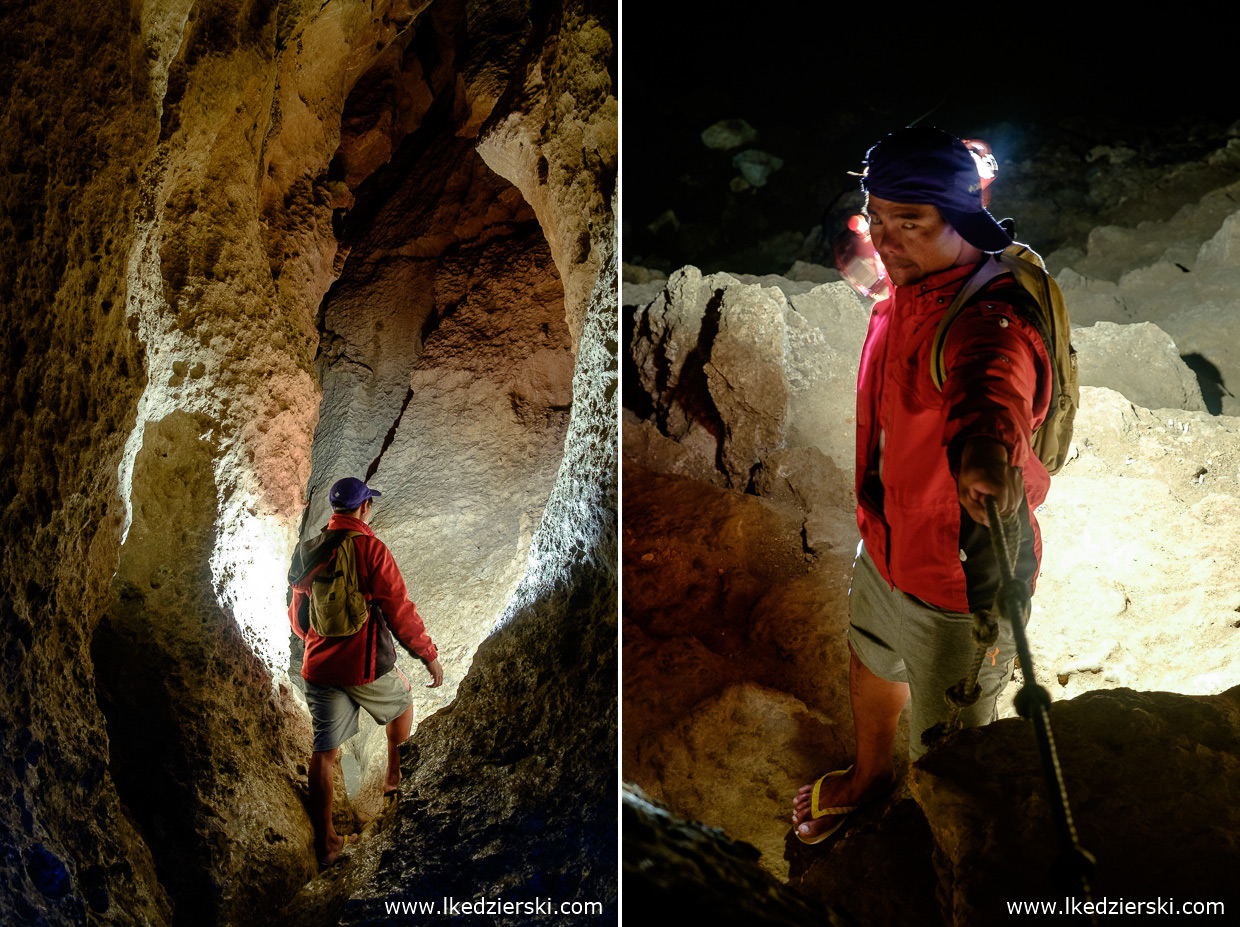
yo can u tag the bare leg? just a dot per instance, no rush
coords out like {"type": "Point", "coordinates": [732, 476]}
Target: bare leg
{"type": "Point", "coordinates": [397, 734]}
{"type": "Point", "coordinates": [327, 843]}
{"type": "Point", "coordinates": [876, 706]}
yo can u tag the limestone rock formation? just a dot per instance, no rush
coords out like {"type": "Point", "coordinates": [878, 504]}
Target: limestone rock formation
{"type": "Point", "coordinates": [976, 833]}
{"type": "Point", "coordinates": [727, 763]}
{"type": "Point", "coordinates": [773, 367]}
{"type": "Point", "coordinates": [1136, 536]}
{"type": "Point", "coordinates": [184, 183]}
{"type": "Point", "coordinates": [1178, 272]}
{"type": "Point", "coordinates": [446, 372]}
{"type": "Point", "coordinates": [167, 658]}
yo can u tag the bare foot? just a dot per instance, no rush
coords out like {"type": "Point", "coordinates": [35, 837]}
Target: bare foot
{"type": "Point", "coordinates": [842, 791]}
{"type": "Point", "coordinates": [335, 846]}
{"type": "Point", "coordinates": [391, 783]}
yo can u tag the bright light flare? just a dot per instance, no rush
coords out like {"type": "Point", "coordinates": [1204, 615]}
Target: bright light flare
{"type": "Point", "coordinates": [250, 572]}
{"type": "Point", "coordinates": [987, 165]}
{"type": "Point", "coordinates": [858, 262]}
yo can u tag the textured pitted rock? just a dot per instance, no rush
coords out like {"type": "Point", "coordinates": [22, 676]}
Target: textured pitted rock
{"type": "Point", "coordinates": [698, 673]}
{"type": "Point", "coordinates": [717, 598]}
{"type": "Point", "coordinates": [688, 872]}
{"type": "Point", "coordinates": [803, 621]}
{"type": "Point", "coordinates": [1152, 779]}
{"type": "Point", "coordinates": [486, 424]}
{"type": "Point", "coordinates": [826, 329]}
{"type": "Point", "coordinates": [1139, 561]}
{"type": "Point", "coordinates": [158, 669]}
{"type": "Point", "coordinates": [879, 868]}
{"type": "Point", "coordinates": [737, 366]}
{"type": "Point", "coordinates": [1193, 308]}
{"type": "Point", "coordinates": [178, 204]}
{"type": "Point", "coordinates": [1113, 250]}
{"type": "Point", "coordinates": [646, 446]}
{"type": "Point", "coordinates": [810, 482]}
{"type": "Point", "coordinates": [510, 791]}
{"type": "Point", "coordinates": [1140, 361]}
{"type": "Point", "coordinates": [669, 354]}
{"type": "Point", "coordinates": [724, 548]}
{"type": "Point", "coordinates": [79, 127]}
{"type": "Point", "coordinates": [557, 142]}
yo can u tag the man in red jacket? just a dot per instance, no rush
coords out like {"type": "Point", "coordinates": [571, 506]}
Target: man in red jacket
{"type": "Point", "coordinates": [346, 673]}
{"type": "Point", "coordinates": [927, 460]}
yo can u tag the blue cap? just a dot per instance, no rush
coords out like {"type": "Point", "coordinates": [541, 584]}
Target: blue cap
{"type": "Point", "coordinates": [926, 165]}
{"type": "Point", "coordinates": [351, 492]}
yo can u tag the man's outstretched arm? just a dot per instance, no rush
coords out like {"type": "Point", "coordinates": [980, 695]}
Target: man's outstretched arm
{"type": "Point", "coordinates": [997, 389]}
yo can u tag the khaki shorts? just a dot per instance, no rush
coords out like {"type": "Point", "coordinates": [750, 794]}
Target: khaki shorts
{"type": "Point", "coordinates": [333, 709]}
{"type": "Point", "coordinates": [902, 639]}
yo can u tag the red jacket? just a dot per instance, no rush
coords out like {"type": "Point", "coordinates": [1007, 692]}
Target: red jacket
{"type": "Point", "coordinates": [362, 657]}
{"type": "Point", "coordinates": [909, 435]}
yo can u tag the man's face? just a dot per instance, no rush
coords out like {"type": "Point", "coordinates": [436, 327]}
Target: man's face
{"type": "Point", "coordinates": [914, 240]}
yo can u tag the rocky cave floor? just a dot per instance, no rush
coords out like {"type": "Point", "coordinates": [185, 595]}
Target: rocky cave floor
{"type": "Point", "coordinates": [739, 533]}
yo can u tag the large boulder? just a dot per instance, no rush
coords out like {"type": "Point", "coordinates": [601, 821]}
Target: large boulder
{"type": "Point", "coordinates": [1139, 360]}
{"type": "Point", "coordinates": [1152, 781]}
{"type": "Point", "coordinates": [736, 759]}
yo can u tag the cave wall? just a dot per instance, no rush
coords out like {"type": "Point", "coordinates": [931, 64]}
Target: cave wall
{"type": "Point", "coordinates": [80, 129]}
{"type": "Point", "coordinates": [205, 761]}
{"type": "Point", "coordinates": [511, 790]}
{"type": "Point", "coordinates": [171, 213]}
{"type": "Point", "coordinates": [446, 369]}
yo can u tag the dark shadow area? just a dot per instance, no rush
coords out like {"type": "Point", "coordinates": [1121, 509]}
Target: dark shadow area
{"type": "Point", "coordinates": [843, 82]}
{"type": "Point", "coordinates": [1210, 378]}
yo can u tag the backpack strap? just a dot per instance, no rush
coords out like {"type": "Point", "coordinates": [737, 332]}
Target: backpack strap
{"type": "Point", "coordinates": [970, 294]}
{"type": "Point", "coordinates": [986, 272]}
{"type": "Point", "coordinates": [313, 553]}
{"type": "Point", "coordinates": [357, 534]}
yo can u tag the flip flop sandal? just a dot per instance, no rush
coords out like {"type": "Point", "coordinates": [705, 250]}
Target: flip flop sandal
{"type": "Point", "coordinates": [816, 812]}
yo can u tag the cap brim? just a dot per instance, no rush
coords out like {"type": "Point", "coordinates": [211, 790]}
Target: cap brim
{"type": "Point", "coordinates": [979, 229]}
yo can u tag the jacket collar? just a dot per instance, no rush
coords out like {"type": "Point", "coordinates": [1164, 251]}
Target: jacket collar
{"type": "Point", "coordinates": [944, 279]}
{"type": "Point", "coordinates": [933, 291]}
{"type": "Point", "coordinates": [348, 523]}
